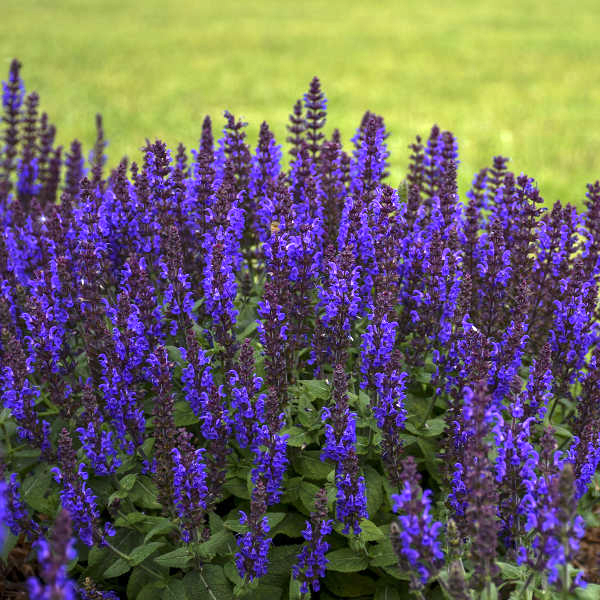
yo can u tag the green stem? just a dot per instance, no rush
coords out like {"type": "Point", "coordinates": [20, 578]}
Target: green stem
{"type": "Point", "coordinates": [210, 592]}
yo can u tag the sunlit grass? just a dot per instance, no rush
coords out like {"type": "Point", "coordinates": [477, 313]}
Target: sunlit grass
{"type": "Point", "coordinates": [517, 78]}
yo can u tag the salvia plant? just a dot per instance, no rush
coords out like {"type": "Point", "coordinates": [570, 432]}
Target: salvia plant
{"type": "Point", "coordinates": [225, 373]}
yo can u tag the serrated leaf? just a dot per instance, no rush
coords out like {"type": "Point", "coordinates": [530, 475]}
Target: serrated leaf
{"type": "Point", "coordinates": [141, 553]}
{"type": "Point", "coordinates": [346, 560]}
{"type": "Point", "coordinates": [178, 558]}
{"type": "Point", "coordinates": [119, 567]}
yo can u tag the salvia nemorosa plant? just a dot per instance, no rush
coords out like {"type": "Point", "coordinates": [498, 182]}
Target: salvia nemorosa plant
{"type": "Point", "coordinates": [223, 375]}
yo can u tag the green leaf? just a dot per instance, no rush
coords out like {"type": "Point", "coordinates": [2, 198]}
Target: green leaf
{"type": "Point", "coordinates": [10, 542]}
{"type": "Point", "coordinates": [382, 554]}
{"type": "Point", "coordinates": [510, 571]}
{"type": "Point", "coordinates": [212, 576]}
{"type": "Point", "coordinates": [387, 592]}
{"type": "Point", "coordinates": [248, 331]}
{"type": "Point", "coordinates": [350, 585]}
{"type": "Point", "coordinates": [178, 558]}
{"type": "Point", "coordinates": [275, 518]}
{"type": "Point", "coordinates": [175, 590]}
{"type": "Point", "coordinates": [184, 415]}
{"type": "Point", "coordinates": [396, 573]}
{"type": "Point", "coordinates": [591, 592]}
{"type": "Point", "coordinates": [237, 487]}
{"type": "Point", "coordinates": [292, 525]}
{"type": "Point", "coordinates": [145, 493]}
{"type": "Point", "coordinates": [148, 592]}
{"type": "Point", "coordinates": [136, 581]}
{"type": "Point", "coordinates": [281, 560]}
{"type": "Point", "coordinates": [174, 354]}
{"type": "Point", "coordinates": [373, 482]}
{"type": "Point", "coordinates": [128, 481]}
{"type": "Point", "coordinates": [232, 574]}
{"type": "Point", "coordinates": [370, 532]}
{"type": "Point", "coordinates": [235, 525]}
{"type": "Point", "coordinates": [99, 559]}
{"type": "Point", "coordinates": [291, 491]}
{"type": "Point", "coordinates": [141, 553]}
{"type": "Point", "coordinates": [307, 494]}
{"type": "Point", "coordinates": [119, 567]}
{"type": "Point", "coordinates": [34, 490]}
{"type": "Point", "coordinates": [297, 437]}
{"type": "Point", "coordinates": [130, 519]}
{"type": "Point", "coordinates": [221, 542]}
{"type": "Point", "coordinates": [294, 591]}
{"type": "Point", "coordinates": [434, 427]}
{"type": "Point", "coordinates": [264, 591]}
{"type": "Point", "coordinates": [345, 560]}
{"type": "Point", "coordinates": [215, 522]}
{"type": "Point", "coordinates": [429, 450]}
{"type": "Point", "coordinates": [314, 388]}
{"type": "Point", "coordinates": [163, 525]}
{"type": "Point", "coordinates": [310, 466]}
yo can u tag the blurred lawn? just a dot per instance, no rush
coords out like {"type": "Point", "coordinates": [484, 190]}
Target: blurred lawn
{"type": "Point", "coordinates": [518, 77]}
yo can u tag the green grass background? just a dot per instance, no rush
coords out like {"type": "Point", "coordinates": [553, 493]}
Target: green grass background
{"type": "Point", "coordinates": [513, 77]}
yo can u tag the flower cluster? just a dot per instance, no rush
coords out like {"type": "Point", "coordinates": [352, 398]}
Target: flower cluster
{"type": "Point", "coordinates": [181, 341]}
{"type": "Point", "coordinates": [312, 562]}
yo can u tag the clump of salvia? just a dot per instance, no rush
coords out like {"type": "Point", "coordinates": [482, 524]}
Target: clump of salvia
{"type": "Point", "coordinates": [225, 374]}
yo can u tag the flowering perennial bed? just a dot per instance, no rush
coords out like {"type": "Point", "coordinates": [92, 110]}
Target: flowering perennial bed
{"type": "Point", "coordinates": [223, 378]}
